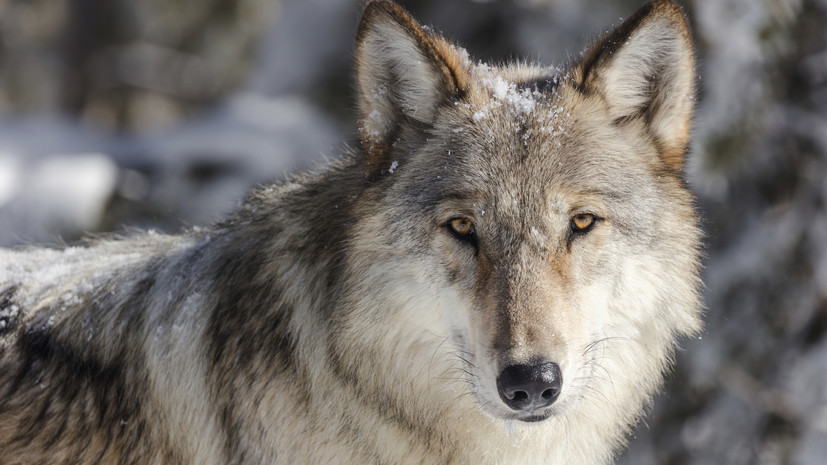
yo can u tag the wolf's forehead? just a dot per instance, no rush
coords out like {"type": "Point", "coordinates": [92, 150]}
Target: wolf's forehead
{"type": "Point", "coordinates": [521, 140]}
{"type": "Point", "coordinates": [512, 94]}
{"type": "Point", "coordinates": [519, 126]}
{"type": "Point", "coordinates": [524, 153]}
{"type": "Point", "coordinates": [543, 78]}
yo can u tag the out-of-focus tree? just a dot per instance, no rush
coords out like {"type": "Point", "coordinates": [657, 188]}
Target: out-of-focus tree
{"type": "Point", "coordinates": [126, 64]}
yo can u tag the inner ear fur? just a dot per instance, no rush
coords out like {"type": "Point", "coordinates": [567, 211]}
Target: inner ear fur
{"type": "Point", "coordinates": [404, 74]}
{"type": "Point", "coordinates": [645, 69]}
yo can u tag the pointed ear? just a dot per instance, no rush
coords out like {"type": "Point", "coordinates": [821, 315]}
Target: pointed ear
{"type": "Point", "coordinates": [645, 69]}
{"type": "Point", "coordinates": [404, 73]}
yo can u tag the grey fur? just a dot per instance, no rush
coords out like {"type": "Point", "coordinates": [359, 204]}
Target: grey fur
{"type": "Point", "coordinates": [337, 319]}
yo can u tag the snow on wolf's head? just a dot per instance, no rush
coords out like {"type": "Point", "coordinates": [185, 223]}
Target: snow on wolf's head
{"type": "Point", "coordinates": [527, 225]}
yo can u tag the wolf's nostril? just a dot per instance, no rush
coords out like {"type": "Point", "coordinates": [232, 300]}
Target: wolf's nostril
{"type": "Point", "coordinates": [519, 395]}
{"type": "Point", "coordinates": [530, 387]}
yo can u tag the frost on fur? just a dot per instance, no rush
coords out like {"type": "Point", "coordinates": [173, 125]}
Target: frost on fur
{"type": "Point", "coordinates": [645, 72]}
{"type": "Point", "coordinates": [521, 101]}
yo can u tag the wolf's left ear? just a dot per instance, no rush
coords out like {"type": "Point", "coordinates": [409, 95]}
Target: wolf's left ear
{"type": "Point", "coordinates": [404, 73]}
{"type": "Point", "coordinates": [644, 70]}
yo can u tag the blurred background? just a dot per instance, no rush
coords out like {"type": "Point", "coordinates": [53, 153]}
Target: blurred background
{"type": "Point", "coordinates": [161, 113]}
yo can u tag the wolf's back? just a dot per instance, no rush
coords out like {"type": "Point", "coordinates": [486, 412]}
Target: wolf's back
{"type": "Point", "coordinates": [75, 350]}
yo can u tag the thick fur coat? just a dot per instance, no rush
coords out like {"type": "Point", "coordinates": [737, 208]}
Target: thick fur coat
{"type": "Point", "coordinates": [379, 311]}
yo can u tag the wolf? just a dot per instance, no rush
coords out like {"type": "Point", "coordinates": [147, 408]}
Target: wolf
{"type": "Point", "coordinates": [498, 275]}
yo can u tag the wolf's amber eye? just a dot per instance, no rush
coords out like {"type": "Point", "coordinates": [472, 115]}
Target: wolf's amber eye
{"type": "Point", "coordinates": [461, 226]}
{"type": "Point", "coordinates": [582, 222]}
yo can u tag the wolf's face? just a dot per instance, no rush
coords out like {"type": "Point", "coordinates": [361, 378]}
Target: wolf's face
{"type": "Point", "coordinates": [543, 208]}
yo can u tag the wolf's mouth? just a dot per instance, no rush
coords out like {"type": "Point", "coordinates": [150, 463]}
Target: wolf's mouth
{"type": "Point", "coordinates": [534, 418]}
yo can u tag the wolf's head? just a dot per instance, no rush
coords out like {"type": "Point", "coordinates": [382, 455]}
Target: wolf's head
{"type": "Point", "coordinates": [533, 220]}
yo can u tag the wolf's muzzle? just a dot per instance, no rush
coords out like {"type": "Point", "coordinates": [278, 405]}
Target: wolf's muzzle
{"type": "Point", "coordinates": [530, 387]}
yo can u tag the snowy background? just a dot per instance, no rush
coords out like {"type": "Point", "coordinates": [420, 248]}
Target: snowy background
{"type": "Point", "coordinates": [161, 113]}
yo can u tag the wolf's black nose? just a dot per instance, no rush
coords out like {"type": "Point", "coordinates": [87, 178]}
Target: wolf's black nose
{"type": "Point", "coordinates": [530, 387]}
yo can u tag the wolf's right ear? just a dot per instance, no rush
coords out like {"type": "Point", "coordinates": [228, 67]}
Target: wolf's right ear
{"type": "Point", "coordinates": [644, 71]}
{"type": "Point", "coordinates": [404, 73]}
